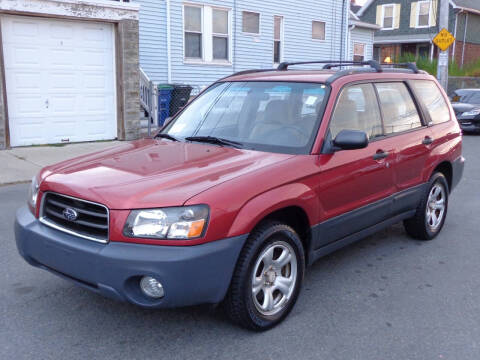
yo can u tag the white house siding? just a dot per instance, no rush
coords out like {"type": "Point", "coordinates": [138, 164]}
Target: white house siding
{"type": "Point", "coordinates": [248, 51]}
{"type": "Point", "coordinates": [364, 36]}
{"type": "Point", "coordinates": [153, 39]}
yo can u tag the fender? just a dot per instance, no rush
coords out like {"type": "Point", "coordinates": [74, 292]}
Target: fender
{"type": "Point", "coordinates": [295, 194]}
{"type": "Point", "coordinates": [449, 150]}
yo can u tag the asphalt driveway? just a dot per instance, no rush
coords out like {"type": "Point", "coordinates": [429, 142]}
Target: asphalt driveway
{"type": "Point", "coordinates": [385, 297]}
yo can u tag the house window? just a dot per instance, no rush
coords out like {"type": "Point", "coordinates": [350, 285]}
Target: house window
{"type": "Point", "coordinates": [220, 34]}
{"type": "Point", "coordinates": [193, 32]}
{"type": "Point", "coordinates": [277, 39]}
{"type": "Point", "coordinates": [388, 14]}
{"type": "Point", "coordinates": [207, 34]}
{"type": "Point", "coordinates": [318, 30]}
{"type": "Point", "coordinates": [358, 51]}
{"type": "Point", "coordinates": [423, 14]}
{"type": "Point", "coordinates": [250, 22]}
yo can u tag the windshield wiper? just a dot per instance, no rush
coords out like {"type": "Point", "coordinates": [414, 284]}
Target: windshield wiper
{"type": "Point", "coordinates": [214, 140]}
{"type": "Point", "coordinates": [165, 136]}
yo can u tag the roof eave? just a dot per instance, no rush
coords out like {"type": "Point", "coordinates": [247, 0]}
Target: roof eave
{"type": "Point", "coordinates": [365, 25]}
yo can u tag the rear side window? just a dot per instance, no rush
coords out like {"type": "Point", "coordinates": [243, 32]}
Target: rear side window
{"type": "Point", "coordinates": [399, 111]}
{"type": "Point", "coordinates": [428, 92]}
{"type": "Point", "coordinates": [357, 109]}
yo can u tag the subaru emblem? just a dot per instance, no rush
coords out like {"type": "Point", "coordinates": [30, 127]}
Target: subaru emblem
{"type": "Point", "coordinates": [70, 214]}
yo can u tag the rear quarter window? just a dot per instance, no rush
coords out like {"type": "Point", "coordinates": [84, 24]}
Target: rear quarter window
{"type": "Point", "coordinates": [429, 93]}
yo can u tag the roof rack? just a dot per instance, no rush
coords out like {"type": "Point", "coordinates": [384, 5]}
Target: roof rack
{"type": "Point", "coordinates": [409, 65]}
{"type": "Point", "coordinates": [374, 66]}
{"type": "Point", "coordinates": [331, 64]}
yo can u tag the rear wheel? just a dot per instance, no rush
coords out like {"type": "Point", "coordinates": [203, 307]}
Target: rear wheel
{"type": "Point", "coordinates": [432, 211]}
{"type": "Point", "coordinates": [268, 277]}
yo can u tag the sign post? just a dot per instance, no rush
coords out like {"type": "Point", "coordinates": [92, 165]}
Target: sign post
{"type": "Point", "coordinates": [443, 40]}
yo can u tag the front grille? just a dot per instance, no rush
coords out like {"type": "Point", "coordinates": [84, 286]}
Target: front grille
{"type": "Point", "coordinates": [83, 218]}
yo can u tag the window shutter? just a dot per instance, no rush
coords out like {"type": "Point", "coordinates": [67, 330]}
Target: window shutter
{"type": "Point", "coordinates": [433, 13]}
{"type": "Point", "coordinates": [413, 15]}
{"type": "Point", "coordinates": [396, 19]}
{"type": "Point", "coordinates": [379, 15]}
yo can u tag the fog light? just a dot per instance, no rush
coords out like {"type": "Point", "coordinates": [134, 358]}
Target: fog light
{"type": "Point", "coordinates": [151, 287]}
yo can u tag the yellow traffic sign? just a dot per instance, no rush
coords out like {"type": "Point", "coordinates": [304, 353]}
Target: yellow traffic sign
{"type": "Point", "coordinates": [444, 39]}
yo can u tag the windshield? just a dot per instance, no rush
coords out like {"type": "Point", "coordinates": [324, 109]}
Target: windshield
{"type": "Point", "coordinates": [267, 116]}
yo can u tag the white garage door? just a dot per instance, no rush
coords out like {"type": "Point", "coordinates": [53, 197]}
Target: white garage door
{"type": "Point", "coordinates": [60, 80]}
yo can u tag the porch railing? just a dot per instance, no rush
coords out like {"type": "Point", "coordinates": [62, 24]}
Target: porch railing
{"type": "Point", "coordinates": [148, 99]}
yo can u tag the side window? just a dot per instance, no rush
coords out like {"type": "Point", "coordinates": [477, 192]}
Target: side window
{"type": "Point", "coordinates": [433, 99]}
{"type": "Point", "coordinates": [357, 109]}
{"type": "Point", "coordinates": [399, 110]}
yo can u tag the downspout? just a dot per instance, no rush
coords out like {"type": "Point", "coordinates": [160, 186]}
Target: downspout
{"type": "Point", "coordinates": [464, 37]}
{"type": "Point", "coordinates": [234, 26]}
{"type": "Point", "coordinates": [455, 36]}
{"type": "Point", "coordinates": [349, 42]}
{"type": "Point", "coordinates": [169, 48]}
{"type": "Point", "coordinates": [342, 39]}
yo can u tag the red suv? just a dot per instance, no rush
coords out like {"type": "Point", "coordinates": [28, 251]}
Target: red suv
{"type": "Point", "coordinates": [259, 176]}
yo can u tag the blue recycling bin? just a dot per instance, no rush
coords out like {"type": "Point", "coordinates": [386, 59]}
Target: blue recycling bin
{"type": "Point", "coordinates": [164, 99]}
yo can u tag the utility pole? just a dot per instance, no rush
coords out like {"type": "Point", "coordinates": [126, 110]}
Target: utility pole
{"type": "Point", "coordinates": [442, 70]}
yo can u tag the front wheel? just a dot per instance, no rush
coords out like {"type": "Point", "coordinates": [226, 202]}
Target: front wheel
{"type": "Point", "coordinates": [432, 211]}
{"type": "Point", "coordinates": [267, 278]}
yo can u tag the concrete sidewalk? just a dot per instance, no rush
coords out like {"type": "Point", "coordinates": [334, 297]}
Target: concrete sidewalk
{"type": "Point", "coordinates": [22, 163]}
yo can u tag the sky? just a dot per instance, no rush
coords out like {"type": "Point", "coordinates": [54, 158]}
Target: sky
{"type": "Point", "coordinates": [360, 2]}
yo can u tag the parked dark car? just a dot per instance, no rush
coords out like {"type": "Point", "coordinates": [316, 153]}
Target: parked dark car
{"type": "Point", "coordinates": [466, 104]}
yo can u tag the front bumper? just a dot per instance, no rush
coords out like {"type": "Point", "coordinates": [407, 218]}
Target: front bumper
{"type": "Point", "coordinates": [189, 274]}
{"type": "Point", "coordinates": [469, 124]}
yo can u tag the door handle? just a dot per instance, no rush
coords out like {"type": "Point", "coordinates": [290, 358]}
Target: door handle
{"type": "Point", "coordinates": [427, 140]}
{"type": "Point", "coordinates": [380, 154]}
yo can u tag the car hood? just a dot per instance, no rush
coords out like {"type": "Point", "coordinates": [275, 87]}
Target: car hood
{"type": "Point", "coordinates": [151, 173]}
{"type": "Point", "coordinates": [460, 108]}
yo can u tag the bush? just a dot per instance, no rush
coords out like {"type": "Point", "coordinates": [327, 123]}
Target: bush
{"type": "Point", "coordinates": [430, 66]}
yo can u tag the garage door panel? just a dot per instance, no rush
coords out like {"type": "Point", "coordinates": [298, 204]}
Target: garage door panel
{"type": "Point", "coordinates": [96, 82]}
{"type": "Point", "coordinates": [28, 105]}
{"type": "Point", "coordinates": [27, 81]}
{"type": "Point", "coordinates": [26, 134]}
{"type": "Point", "coordinates": [60, 80]}
{"type": "Point", "coordinates": [62, 58]}
{"type": "Point", "coordinates": [63, 105]}
{"type": "Point", "coordinates": [24, 28]}
{"type": "Point", "coordinates": [95, 105]}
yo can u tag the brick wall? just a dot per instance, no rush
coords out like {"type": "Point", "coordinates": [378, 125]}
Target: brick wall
{"type": "Point", "coordinates": [129, 77]}
{"type": "Point", "coordinates": [472, 52]}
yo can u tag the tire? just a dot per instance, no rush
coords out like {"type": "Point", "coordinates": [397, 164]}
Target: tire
{"type": "Point", "coordinates": [257, 274]}
{"type": "Point", "coordinates": [422, 225]}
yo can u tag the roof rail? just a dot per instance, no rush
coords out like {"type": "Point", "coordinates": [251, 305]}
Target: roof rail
{"type": "Point", "coordinates": [244, 72]}
{"type": "Point", "coordinates": [331, 63]}
{"type": "Point", "coordinates": [409, 65]}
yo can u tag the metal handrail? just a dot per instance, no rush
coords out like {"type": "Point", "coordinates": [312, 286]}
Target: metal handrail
{"type": "Point", "coordinates": [148, 98]}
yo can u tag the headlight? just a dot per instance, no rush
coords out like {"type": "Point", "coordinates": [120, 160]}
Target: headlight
{"type": "Point", "coordinates": [184, 222]}
{"type": "Point", "coordinates": [472, 113]}
{"type": "Point", "coordinates": [33, 192]}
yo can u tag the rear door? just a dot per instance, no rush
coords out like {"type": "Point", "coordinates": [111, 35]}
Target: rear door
{"type": "Point", "coordinates": [354, 184]}
{"type": "Point", "coordinates": [411, 138]}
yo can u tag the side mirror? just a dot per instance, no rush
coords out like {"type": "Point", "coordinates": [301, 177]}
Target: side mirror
{"type": "Point", "coordinates": [351, 140]}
